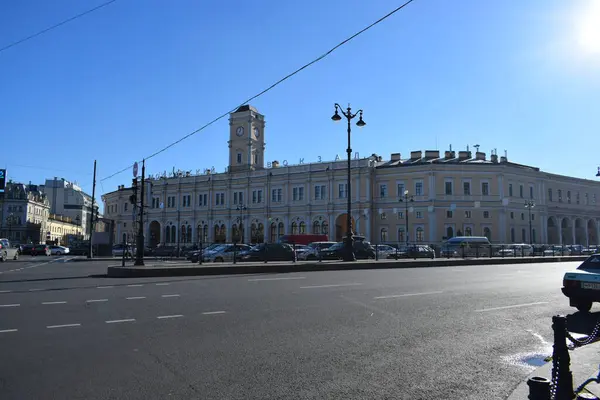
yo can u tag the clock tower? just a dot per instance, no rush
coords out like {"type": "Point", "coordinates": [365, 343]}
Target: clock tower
{"type": "Point", "coordinates": [246, 139]}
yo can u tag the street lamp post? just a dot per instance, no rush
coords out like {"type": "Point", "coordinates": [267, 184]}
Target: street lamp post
{"type": "Point", "coordinates": [241, 208]}
{"type": "Point", "coordinates": [406, 198]}
{"type": "Point", "coordinates": [349, 240]}
{"type": "Point", "coordinates": [10, 220]}
{"type": "Point", "coordinates": [529, 204]}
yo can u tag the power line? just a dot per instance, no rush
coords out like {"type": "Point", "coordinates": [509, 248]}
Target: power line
{"type": "Point", "coordinates": [268, 88]}
{"type": "Point", "coordinates": [56, 26]}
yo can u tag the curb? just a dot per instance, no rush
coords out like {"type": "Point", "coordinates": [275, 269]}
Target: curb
{"type": "Point", "coordinates": [312, 266]}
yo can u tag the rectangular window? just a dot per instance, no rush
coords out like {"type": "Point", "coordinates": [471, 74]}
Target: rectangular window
{"type": "Point", "coordinates": [467, 188]}
{"type": "Point", "coordinates": [276, 195]}
{"type": "Point", "coordinates": [235, 197]}
{"type": "Point", "coordinates": [301, 193]}
{"type": "Point", "coordinates": [521, 191]}
{"type": "Point", "coordinates": [238, 198]}
{"type": "Point", "coordinates": [342, 190]}
{"type": "Point", "coordinates": [531, 192]}
{"type": "Point", "coordinates": [254, 197]}
{"type": "Point", "coordinates": [569, 196]}
{"type": "Point", "coordinates": [125, 207]}
{"type": "Point", "coordinates": [400, 189]}
{"type": "Point", "coordinates": [418, 188]}
{"type": "Point", "coordinates": [239, 158]}
{"type": "Point", "coordinates": [467, 214]}
{"type": "Point", "coordinates": [187, 200]}
{"type": "Point", "coordinates": [559, 196]}
{"type": "Point", "coordinates": [485, 188]}
{"type": "Point", "coordinates": [319, 192]}
{"type": "Point", "coordinates": [202, 200]}
{"type": "Point", "coordinates": [577, 198]}
{"type": "Point", "coordinates": [533, 217]}
{"type": "Point", "coordinates": [298, 193]}
{"type": "Point", "coordinates": [448, 188]}
{"type": "Point", "coordinates": [260, 195]}
{"type": "Point", "coordinates": [587, 199]}
{"type": "Point", "coordinates": [486, 214]}
{"type": "Point", "coordinates": [400, 214]}
{"type": "Point", "coordinates": [219, 199]}
{"type": "Point", "coordinates": [448, 213]}
{"type": "Point", "coordinates": [383, 191]}
{"type": "Point", "coordinates": [510, 189]}
{"type": "Point", "coordinates": [522, 216]}
{"type": "Point", "coordinates": [418, 214]}
{"type": "Point", "coordinates": [512, 215]}
{"type": "Point", "coordinates": [549, 194]}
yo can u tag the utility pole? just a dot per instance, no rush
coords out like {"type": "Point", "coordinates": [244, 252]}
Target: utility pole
{"type": "Point", "coordinates": [92, 218]}
{"type": "Point", "coordinates": [139, 256]}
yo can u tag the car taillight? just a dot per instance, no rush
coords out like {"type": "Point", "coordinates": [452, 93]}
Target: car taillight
{"type": "Point", "coordinates": [569, 283]}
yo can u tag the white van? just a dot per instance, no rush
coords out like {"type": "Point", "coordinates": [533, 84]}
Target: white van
{"type": "Point", "coordinates": [467, 246]}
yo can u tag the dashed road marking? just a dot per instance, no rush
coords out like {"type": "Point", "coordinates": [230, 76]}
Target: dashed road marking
{"type": "Point", "coordinates": [135, 298]}
{"type": "Point", "coordinates": [54, 302]}
{"type": "Point", "coordinates": [36, 290]}
{"type": "Point", "coordinates": [5, 291]}
{"type": "Point", "coordinates": [393, 296]}
{"type": "Point", "coordinates": [161, 284]}
{"type": "Point", "coordinates": [118, 321]}
{"type": "Point", "coordinates": [96, 300]}
{"type": "Point", "coordinates": [330, 286]}
{"type": "Point", "coordinates": [213, 312]}
{"type": "Point", "coordinates": [170, 316]}
{"type": "Point", "coordinates": [104, 287]}
{"type": "Point", "coordinates": [9, 305]}
{"type": "Point", "coordinates": [63, 326]}
{"type": "Point", "coordinates": [8, 330]}
{"type": "Point", "coordinates": [136, 285]}
{"type": "Point", "coordinates": [277, 279]}
{"type": "Point", "coordinates": [513, 306]}
{"type": "Point", "coordinates": [170, 295]}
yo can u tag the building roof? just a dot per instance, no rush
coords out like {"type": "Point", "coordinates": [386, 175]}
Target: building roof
{"type": "Point", "coordinates": [246, 107]}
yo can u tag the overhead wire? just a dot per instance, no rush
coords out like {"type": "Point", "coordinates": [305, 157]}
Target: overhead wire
{"type": "Point", "coordinates": [268, 88]}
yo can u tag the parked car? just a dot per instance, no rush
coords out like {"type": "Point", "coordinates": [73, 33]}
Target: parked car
{"type": "Point", "coordinates": [557, 251]}
{"type": "Point", "coordinates": [59, 250]}
{"type": "Point", "coordinates": [118, 249]}
{"type": "Point", "coordinates": [590, 250]}
{"type": "Point", "coordinates": [269, 252]}
{"type": "Point", "coordinates": [582, 286]}
{"type": "Point", "coordinates": [194, 256]}
{"type": "Point", "coordinates": [7, 252]}
{"type": "Point", "coordinates": [40, 250]}
{"type": "Point", "coordinates": [313, 250]}
{"type": "Point", "coordinates": [225, 252]}
{"type": "Point", "coordinates": [384, 251]}
{"type": "Point", "coordinates": [164, 251]}
{"type": "Point", "coordinates": [362, 250]}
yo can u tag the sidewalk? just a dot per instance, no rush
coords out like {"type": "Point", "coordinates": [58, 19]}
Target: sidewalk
{"type": "Point", "coordinates": [154, 268]}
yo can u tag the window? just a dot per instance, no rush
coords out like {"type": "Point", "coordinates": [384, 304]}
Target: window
{"type": "Point", "coordinates": [486, 214]}
{"type": "Point", "coordinates": [577, 198]}
{"type": "Point", "coordinates": [342, 190]}
{"type": "Point", "coordinates": [325, 228]}
{"type": "Point", "coordinates": [594, 198]}
{"type": "Point", "coordinates": [549, 194]}
{"type": "Point", "coordinates": [401, 234]}
{"type": "Point", "coordinates": [512, 215]}
{"type": "Point", "coordinates": [419, 188]}
{"type": "Point", "coordinates": [420, 234]}
{"type": "Point", "coordinates": [298, 193]}
{"type": "Point", "coordinates": [569, 196]}
{"type": "Point", "coordinates": [276, 195]}
{"type": "Point", "coordinates": [219, 199]}
{"type": "Point", "coordinates": [255, 158]}
{"type": "Point", "coordinates": [510, 189]}
{"type": "Point", "coordinates": [273, 232]}
{"type": "Point", "coordinates": [383, 190]}
{"type": "Point", "coordinates": [448, 213]}
{"type": "Point", "coordinates": [239, 158]}
{"type": "Point", "coordinates": [418, 214]}
{"type": "Point", "coordinates": [468, 231]}
{"type": "Point", "coordinates": [170, 201]}
{"type": "Point", "coordinates": [400, 189]}
{"type": "Point", "coordinates": [448, 188]}
{"type": "Point", "coordinates": [533, 217]}
{"type": "Point", "coordinates": [400, 215]}
{"type": "Point", "coordinates": [382, 215]}
{"type": "Point", "coordinates": [587, 199]}
{"type": "Point", "coordinates": [449, 232]}
{"type": "Point", "coordinates": [512, 235]}
{"type": "Point", "coordinates": [522, 216]}
{"type": "Point", "coordinates": [383, 237]}
{"type": "Point", "coordinates": [319, 192]}
{"type": "Point", "coordinates": [257, 196]}
{"type": "Point", "coordinates": [467, 188]}
{"type": "Point", "coordinates": [533, 235]}
{"type": "Point", "coordinates": [294, 228]}
{"type": "Point", "coordinates": [316, 228]}
{"type": "Point", "coordinates": [467, 214]}
{"type": "Point", "coordinates": [521, 191]}
{"type": "Point", "coordinates": [187, 200]}
{"type": "Point", "coordinates": [202, 200]}
{"type": "Point", "coordinates": [531, 192]}
{"type": "Point", "coordinates": [487, 233]}
{"type": "Point", "coordinates": [125, 207]}
{"type": "Point", "coordinates": [302, 228]}
{"type": "Point", "coordinates": [523, 237]}
{"type": "Point", "coordinates": [238, 198]}
{"type": "Point", "coordinates": [559, 196]}
{"type": "Point", "coordinates": [485, 188]}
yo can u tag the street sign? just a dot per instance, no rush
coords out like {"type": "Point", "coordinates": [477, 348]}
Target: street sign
{"type": "Point", "coordinates": [135, 169]}
{"type": "Point", "coordinates": [2, 179]}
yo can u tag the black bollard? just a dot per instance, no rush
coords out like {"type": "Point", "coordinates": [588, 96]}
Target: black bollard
{"type": "Point", "coordinates": [561, 360]}
{"type": "Point", "coordinates": [539, 388]}
{"type": "Point", "coordinates": [200, 255]}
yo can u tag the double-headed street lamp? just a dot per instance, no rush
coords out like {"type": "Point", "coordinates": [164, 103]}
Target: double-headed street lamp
{"type": "Point", "coordinates": [406, 198]}
{"type": "Point", "coordinates": [529, 204]}
{"type": "Point", "coordinates": [241, 208]}
{"type": "Point", "coordinates": [349, 240]}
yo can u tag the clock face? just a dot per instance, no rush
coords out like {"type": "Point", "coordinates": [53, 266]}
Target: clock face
{"type": "Point", "coordinates": [239, 131]}
{"type": "Point", "coordinates": [256, 132]}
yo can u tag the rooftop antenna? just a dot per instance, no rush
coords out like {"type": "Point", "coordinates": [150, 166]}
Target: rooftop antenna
{"type": "Point", "coordinates": [476, 147]}
{"type": "Point", "coordinates": [505, 154]}
{"type": "Point", "coordinates": [467, 147]}
{"type": "Point", "coordinates": [450, 147]}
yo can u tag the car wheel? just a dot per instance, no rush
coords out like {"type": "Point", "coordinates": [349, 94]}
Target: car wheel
{"type": "Point", "coordinates": [3, 257]}
{"type": "Point", "coordinates": [16, 257]}
{"type": "Point", "coordinates": [584, 306]}
{"type": "Point", "coordinates": [219, 259]}
{"type": "Point", "coordinates": [58, 253]}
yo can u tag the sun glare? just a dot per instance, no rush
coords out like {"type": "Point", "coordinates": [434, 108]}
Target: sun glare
{"type": "Point", "coordinates": [587, 28]}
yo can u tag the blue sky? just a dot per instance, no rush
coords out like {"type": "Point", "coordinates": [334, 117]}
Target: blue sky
{"type": "Point", "coordinates": [130, 78]}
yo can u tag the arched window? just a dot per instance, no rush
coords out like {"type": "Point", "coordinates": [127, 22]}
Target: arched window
{"type": "Point", "coordinates": [235, 233]}
{"type": "Point", "coordinates": [384, 235]}
{"type": "Point", "coordinates": [449, 232]}
{"type": "Point", "coordinates": [401, 235]}
{"type": "Point", "coordinates": [280, 230]}
{"type": "Point", "coordinates": [189, 234]}
{"type": "Point", "coordinates": [168, 234]}
{"type": "Point", "coordinates": [468, 231]}
{"type": "Point", "coordinates": [420, 234]}
{"type": "Point", "coordinates": [302, 228]}
{"type": "Point", "coordinates": [183, 233]}
{"type": "Point", "coordinates": [173, 234]}
{"type": "Point", "coordinates": [487, 233]}
{"type": "Point", "coordinates": [205, 234]}
{"type": "Point", "coordinates": [294, 228]}
{"type": "Point", "coordinates": [273, 232]}
{"type": "Point", "coordinates": [217, 233]}
{"type": "Point", "coordinates": [316, 228]}
{"type": "Point", "coordinates": [260, 235]}
{"type": "Point", "coordinates": [325, 228]}
{"type": "Point", "coordinates": [223, 234]}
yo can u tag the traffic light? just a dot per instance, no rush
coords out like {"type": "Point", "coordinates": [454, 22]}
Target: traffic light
{"type": "Point", "coordinates": [133, 197]}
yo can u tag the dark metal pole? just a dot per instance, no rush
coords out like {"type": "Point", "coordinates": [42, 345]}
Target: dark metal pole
{"type": "Point", "coordinates": [90, 249]}
{"type": "Point", "coordinates": [178, 228]}
{"type": "Point", "coordinates": [349, 235]}
{"type": "Point", "coordinates": [406, 219]}
{"type": "Point", "coordinates": [139, 254]}
{"type": "Point", "coordinates": [530, 230]}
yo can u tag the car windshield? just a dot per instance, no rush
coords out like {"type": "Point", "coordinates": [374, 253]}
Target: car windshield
{"type": "Point", "coordinates": [592, 263]}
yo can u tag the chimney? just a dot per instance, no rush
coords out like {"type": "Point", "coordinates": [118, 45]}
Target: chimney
{"type": "Point", "coordinates": [449, 154]}
{"type": "Point", "coordinates": [480, 155]}
{"type": "Point", "coordinates": [415, 155]}
{"type": "Point", "coordinates": [395, 157]}
{"type": "Point", "coordinates": [503, 159]}
{"type": "Point", "coordinates": [494, 158]}
{"type": "Point", "coordinates": [464, 155]}
{"type": "Point", "coordinates": [275, 164]}
{"type": "Point", "coordinates": [431, 154]}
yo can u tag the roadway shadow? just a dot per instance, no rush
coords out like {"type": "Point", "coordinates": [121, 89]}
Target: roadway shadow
{"type": "Point", "coordinates": [46, 279]}
{"type": "Point", "coordinates": [582, 323]}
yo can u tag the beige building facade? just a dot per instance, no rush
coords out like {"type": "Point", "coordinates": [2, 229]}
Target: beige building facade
{"type": "Point", "coordinates": [427, 196]}
{"type": "Point", "coordinates": [59, 227]}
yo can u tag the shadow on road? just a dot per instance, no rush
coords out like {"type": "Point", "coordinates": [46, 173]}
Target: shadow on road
{"type": "Point", "coordinates": [47, 279]}
{"type": "Point", "coordinates": [583, 323]}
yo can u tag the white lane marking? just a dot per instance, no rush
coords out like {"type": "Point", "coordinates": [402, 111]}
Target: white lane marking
{"type": "Point", "coordinates": [104, 287]}
{"type": "Point", "coordinates": [62, 326]}
{"type": "Point", "coordinates": [330, 286]}
{"type": "Point", "coordinates": [5, 291]}
{"type": "Point", "coordinates": [213, 312]}
{"type": "Point", "coordinates": [36, 290]}
{"type": "Point", "coordinates": [277, 279]}
{"type": "Point", "coordinates": [9, 305]}
{"type": "Point", "coordinates": [96, 300]}
{"type": "Point", "coordinates": [393, 296]}
{"type": "Point", "coordinates": [135, 298]}
{"type": "Point", "coordinates": [514, 306]}
{"type": "Point", "coordinates": [136, 285]}
{"type": "Point", "coordinates": [170, 295]}
{"type": "Point", "coordinates": [170, 316]}
{"type": "Point", "coordinates": [8, 330]}
{"type": "Point", "coordinates": [116, 321]}
{"type": "Point", "coordinates": [161, 284]}
{"type": "Point", "coordinates": [54, 302]}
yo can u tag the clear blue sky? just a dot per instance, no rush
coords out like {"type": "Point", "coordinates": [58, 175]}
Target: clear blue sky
{"type": "Point", "coordinates": [122, 82]}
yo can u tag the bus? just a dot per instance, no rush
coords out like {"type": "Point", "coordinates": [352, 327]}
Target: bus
{"type": "Point", "coordinates": [469, 246]}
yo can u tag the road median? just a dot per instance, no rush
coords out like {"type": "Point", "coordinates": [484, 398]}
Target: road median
{"type": "Point", "coordinates": [162, 269]}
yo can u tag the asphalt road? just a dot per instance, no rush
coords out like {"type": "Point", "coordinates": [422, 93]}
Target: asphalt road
{"type": "Point", "coordinates": [451, 333]}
